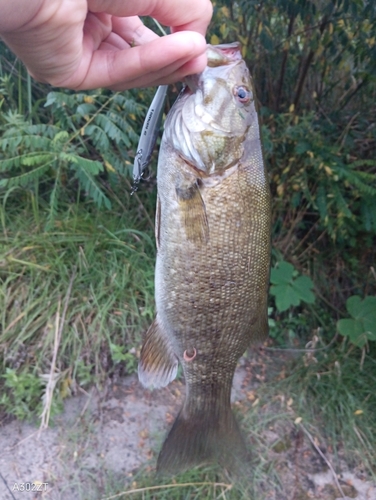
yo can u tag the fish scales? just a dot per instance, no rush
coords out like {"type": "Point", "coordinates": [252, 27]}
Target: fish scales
{"type": "Point", "coordinates": [213, 258]}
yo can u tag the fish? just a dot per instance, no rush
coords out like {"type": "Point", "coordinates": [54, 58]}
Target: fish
{"type": "Point", "coordinates": [213, 232]}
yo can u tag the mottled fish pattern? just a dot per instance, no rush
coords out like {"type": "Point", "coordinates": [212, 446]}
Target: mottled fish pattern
{"type": "Point", "coordinates": [213, 257]}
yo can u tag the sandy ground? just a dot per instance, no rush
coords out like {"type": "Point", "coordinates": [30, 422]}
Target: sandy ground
{"type": "Point", "coordinates": [103, 438]}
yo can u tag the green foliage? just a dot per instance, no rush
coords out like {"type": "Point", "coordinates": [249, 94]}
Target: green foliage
{"type": "Point", "coordinates": [65, 153]}
{"type": "Point", "coordinates": [42, 153]}
{"type": "Point", "coordinates": [111, 302]}
{"type": "Point", "coordinates": [314, 69]}
{"type": "Point", "coordinates": [289, 322]}
{"type": "Point", "coordinates": [79, 149]}
{"type": "Point", "coordinates": [331, 391]}
{"type": "Point", "coordinates": [300, 52]}
{"type": "Point", "coordinates": [361, 327]}
{"type": "Point", "coordinates": [23, 393]}
{"type": "Point", "coordinates": [121, 355]}
{"type": "Point", "coordinates": [83, 372]}
{"type": "Point", "coordinates": [318, 177]}
{"type": "Point", "coordinates": [288, 288]}
{"type": "Point", "coordinates": [291, 328]}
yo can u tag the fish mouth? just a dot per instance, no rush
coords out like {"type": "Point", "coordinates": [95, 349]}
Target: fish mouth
{"type": "Point", "coordinates": [221, 55]}
{"type": "Point", "coordinates": [218, 55]}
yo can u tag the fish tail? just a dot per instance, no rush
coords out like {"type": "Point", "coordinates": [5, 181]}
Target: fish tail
{"type": "Point", "coordinates": [197, 437]}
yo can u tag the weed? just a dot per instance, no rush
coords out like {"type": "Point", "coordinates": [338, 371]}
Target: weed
{"type": "Point", "coordinates": [111, 303]}
{"type": "Point", "coordinates": [288, 288]}
{"type": "Point", "coordinates": [332, 393]}
{"type": "Point", "coordinates": [22, 393]}
{"type": "Point", "coordinates": [361, 328]}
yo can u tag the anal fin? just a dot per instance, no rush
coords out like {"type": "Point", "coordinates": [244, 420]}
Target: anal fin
{"type": "Point", "coordinates": [158, 364]}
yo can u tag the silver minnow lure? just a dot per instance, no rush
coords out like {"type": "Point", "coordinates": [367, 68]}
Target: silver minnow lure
{"type": "Point", "coordinates": [149, 134]}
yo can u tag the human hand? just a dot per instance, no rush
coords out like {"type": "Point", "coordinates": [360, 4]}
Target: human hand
{"type": "Point", "coordinates": [85, 44]}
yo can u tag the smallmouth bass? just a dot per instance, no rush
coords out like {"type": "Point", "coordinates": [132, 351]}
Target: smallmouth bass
{"type": "Point", "coordinates": [213, 257]}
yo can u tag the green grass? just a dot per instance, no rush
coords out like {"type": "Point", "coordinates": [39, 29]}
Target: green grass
{"type": "Point", "coordinates": [111, 265]}
{"type": "Point", "coordinates": [334, 393]}
{"type": "Point", "coordinates": [306, 396]}
{"type": "Point", "coordinates": [338, 393]}
{"type": "Point", "coordinates": [328, 397]}
{"type": "Point", "coordinates": [197, 484]}
{"type": "Point", "coordinates": [204, 483]}
{"type": "Point", "coordinates": [107, 259]}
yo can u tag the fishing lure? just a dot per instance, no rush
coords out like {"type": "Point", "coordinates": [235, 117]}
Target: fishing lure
{"type": "Point", "coordinates": [149, 135]}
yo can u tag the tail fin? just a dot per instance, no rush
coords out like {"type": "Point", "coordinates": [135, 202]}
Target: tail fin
{"type": "Point", "coordinates": [196, 438]}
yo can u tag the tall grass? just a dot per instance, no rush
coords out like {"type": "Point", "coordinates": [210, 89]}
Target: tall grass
{"type": "Point", "coordinates": [303, 398]}
{"type": "Point", "coordinates": [334, 392]}
{"type": "Point", "coordinates": [110, 305]}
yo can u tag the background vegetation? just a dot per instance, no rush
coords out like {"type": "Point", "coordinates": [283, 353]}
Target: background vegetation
{"type": "Point", "coordinates": [77, 250]}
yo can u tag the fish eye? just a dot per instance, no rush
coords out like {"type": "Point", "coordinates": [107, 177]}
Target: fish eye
{"type": "Point", "coordinates": [243, 94]}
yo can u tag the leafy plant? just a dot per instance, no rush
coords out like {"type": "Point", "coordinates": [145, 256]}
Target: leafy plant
{"type": "Point", "coordinates": [289, 288]}
{"type": "Point", "coordinates": [122, 354]}
{"type": "Point", "coordinates": [35, 152]}
{"type": "Point", "coordinates": [112, 299]}
{"type": "Point", "coordinates": [330, 391]}
{"type": "Point", "coordinates": [314, 69]}
{"type": "Point", "coordinates": [338, 193]}
{"type": "Point", "coordinates": [361, 327]}
{"type": "Point", "coordinates": [302, 53]}
{"type": "Point", "coordinates": [23, 394]}
{"type": "Point", "coordinates": [84, 143]}
{"type": "Point", "coordinates": [292, 328]}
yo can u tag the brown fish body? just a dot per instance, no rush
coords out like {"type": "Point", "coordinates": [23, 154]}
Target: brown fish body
{"type": "Point", "coordinates": [213, 253]}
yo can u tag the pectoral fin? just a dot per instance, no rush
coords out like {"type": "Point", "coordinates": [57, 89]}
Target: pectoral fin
{"type": "Point", "coordinates": [193, 212]}
{"type": "Point", "coordinates": [158, 364]}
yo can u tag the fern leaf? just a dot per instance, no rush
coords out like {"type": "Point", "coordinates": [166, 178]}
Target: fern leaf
{"type": "Point", "coordinates": [31, 159]}
{"type": "Point", "coordinates": [25, 178]}
{"type": "Point", "coordinates": [98, 136]}
{"type": "Point", "coordinates": [27, 159]}
{"type": "Point", "coordinates": [36, 143]}
{"type": "Point", "coordinates": [119, 163]}
{"type": "Point", "coordinates": [84, 171]}
{"type": "Point", "coordinates": [10, 143]}
{"type": "Point", "coordinates": [129, 104]}
{"type": "Point", "coordinates": [128, 133]}
{"type": "Point", "coordinates": [358, 179]}
{"type": "Point", "coordinates": [41, 130]}
{"type": "Point", "coordinates": [363, 163]}
{"type": "Point", "coordinates": [62, 99]}
{"type": "Point", "coordinates": [91, 166]}
{"type": "Point", "coordinates": [342, 206]}
{"type": "Point", "coordinates": [109, 127]}
{"type": "Point", "coordinates": [368, 212]}
{"type": "Point", "coordinates": [52, 212]}
{"type": "Point", "coordinates": [85, 109]}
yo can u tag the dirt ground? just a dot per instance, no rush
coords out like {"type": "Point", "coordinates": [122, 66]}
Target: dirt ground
{"type": "Point", "coordinates": [103, 438]}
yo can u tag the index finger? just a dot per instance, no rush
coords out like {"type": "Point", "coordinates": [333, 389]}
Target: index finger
{"type": "Point", "coordinates": [182, 15]}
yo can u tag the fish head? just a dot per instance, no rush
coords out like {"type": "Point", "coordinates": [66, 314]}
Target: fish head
{"type": "Point", "coordinates": [215, 112]}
